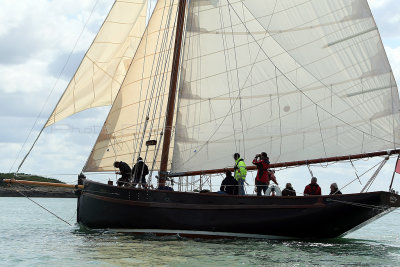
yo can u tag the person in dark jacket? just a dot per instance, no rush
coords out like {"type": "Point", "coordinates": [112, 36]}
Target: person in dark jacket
{"type": "Point", "coordinates": [288, 191]}
{"type": "Point", "coordinates": [263, 174]}
{"type": "Point", "coordinates": [313, 188]}
{"type": "Point", "coordinates": [124, 171]}
{"type": "Point", "coordinates": [139, 172]}
{"type": "Point", "coordinates": [229, 185]}
{"type": "Point", "coordinates": [335, 190]}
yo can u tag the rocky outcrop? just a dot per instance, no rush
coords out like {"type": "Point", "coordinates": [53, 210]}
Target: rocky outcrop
{"type": "Point", "coordinates": [21, 191]}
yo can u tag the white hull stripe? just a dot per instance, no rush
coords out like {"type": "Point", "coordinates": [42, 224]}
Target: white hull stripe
{"type": "Point", "coordinates": [205, 233]}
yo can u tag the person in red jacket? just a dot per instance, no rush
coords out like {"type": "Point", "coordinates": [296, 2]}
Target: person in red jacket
{"type": "Point", "coordinates": [263, 174]}
{"type": "Point", "coordinates": [313, 188]}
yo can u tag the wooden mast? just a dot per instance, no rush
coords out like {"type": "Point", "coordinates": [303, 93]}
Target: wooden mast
{"type": "Point", "coordinates": [172, 93]}
{"type": "Point", "coordinates": [294, 163]}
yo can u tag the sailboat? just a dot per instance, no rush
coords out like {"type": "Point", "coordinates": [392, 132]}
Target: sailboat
{"type": "Point", "coordinates": [307, 81]}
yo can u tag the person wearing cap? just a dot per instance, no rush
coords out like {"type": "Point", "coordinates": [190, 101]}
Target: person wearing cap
{"type": "Point", "coordinates": [124, 171]}
{"type": "Point", "coordinates": [139, 172]}
{"type": "Point", "coordinates": [288, 191]}
{"type": "Point", "coordinates": [263, 174]}
{"type": "Point", "coordinates": [313, 188]}
{"type": "Point", "coordinates": [240, 172]}
{"type": "Point", "coordinates": [335, 190]}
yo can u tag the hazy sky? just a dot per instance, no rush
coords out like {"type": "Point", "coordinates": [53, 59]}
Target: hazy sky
{"type": "Point", "coordinates": [36, 63]}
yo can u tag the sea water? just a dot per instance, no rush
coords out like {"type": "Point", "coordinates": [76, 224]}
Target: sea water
{"type": "Point", "coordinates": [31, 236]}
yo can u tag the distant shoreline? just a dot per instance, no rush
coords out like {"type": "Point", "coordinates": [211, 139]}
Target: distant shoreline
{"type": "Point", "coordinates": [36, 192]}
{"type": "Point", "coordinates": [11, 190]}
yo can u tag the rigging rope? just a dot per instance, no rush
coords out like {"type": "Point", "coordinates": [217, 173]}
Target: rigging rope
{"type": "Point", "coordinates": [279, 113]}
{"type": "Point", "coordinates": [228, 79]}
{"type": "Point", "coordinates": [160, 85]}
{"type": "Point", "coordinates": [159, 100]}
{"type": "Point", "coordinates": [157, 80]}
{"type": "Point", "coordinates": [309, 169]}
{"type": "Point", "coordinates": [52, 213]}
{"type": "Point", "coordinates": [358, 177]}
{"type": "Point", "coordinates": [372, 179]}
{"type": "Point", "coordinates": [320, 131]}
{"type": "Point", "coordinates": [355, 170]}
{"type": "Point", "coordinates": [160, 97]}
{"type": "Point", "coordinates": [238, 84]}
{"type": "Point", "coordinates": [251, 76]}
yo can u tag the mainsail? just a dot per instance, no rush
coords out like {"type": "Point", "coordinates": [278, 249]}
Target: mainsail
{"type": "Point", "coordinates": [102, 70]}
{"type": "Point", "coordinates": [138, 112]}
{"type": "Point", "coordinates": [298, 79]}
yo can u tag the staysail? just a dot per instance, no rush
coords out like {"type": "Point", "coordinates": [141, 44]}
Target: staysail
{"type": "Point", "coordinates": [297, 79]}
{"type": "Point", "coordinates": [103, 68]}
{"type": "Point", "coordinates": [138, 112]}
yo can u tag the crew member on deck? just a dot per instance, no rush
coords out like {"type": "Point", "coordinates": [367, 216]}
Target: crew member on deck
{"type": "Point", "coordinates": [240, 172]}
{"type": "Point", "coordinates": [263, 176]}
{"type": "Point", "coordinates": [335, 190]}
{"type": "Point", "coordinates": [139, 172]}
{"type": "Point", "coordinates": [229, 185]}
{"type": "Point", "coordinates": [313, 188]}
{"type": "Point", "coordinates": [125, 172]}
{"type": "Point", "coordinates": [288, 191]}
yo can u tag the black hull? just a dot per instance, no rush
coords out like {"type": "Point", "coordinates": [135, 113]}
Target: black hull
{"type": "Point", "coordinates": [102, 206]}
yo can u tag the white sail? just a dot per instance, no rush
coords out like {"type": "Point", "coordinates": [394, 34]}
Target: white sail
{"type": "Point", "coordinates": [297, 79]}
{"type": "Point", "coordinates": [143, 93]}
{"type": "Point", "coordinates": [103, 68]}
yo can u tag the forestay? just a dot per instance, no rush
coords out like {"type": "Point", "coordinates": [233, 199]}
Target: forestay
{"type": "Point", "coordinates": [103, 68]}
{"type": "Point", "coordinates": [299, 79]}
{"type": "Point", "coordinates": [143, 93]}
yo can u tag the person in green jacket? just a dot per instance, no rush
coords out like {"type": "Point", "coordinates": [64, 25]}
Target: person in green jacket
{"type": "Point", "coordinates": [240, 172]}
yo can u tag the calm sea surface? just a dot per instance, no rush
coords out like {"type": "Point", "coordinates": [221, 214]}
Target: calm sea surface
{"type": "Point", "coordinates": [30, 236]}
